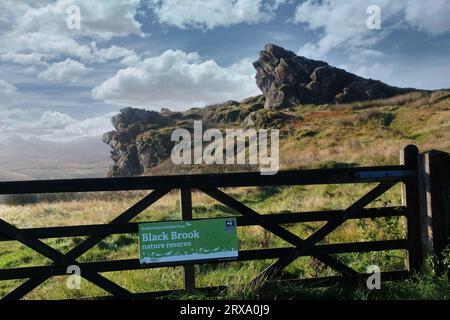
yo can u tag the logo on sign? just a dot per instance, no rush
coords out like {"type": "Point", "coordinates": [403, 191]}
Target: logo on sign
{"type": "Point", "coordinates": [230, 225]}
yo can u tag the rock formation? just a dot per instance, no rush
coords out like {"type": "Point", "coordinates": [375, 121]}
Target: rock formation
{"type": "Point", "coordinates": [141, 139]}
{"type": "Point", "coordinates": [288, 80]}
{"type": "Point", "coordinates": [134, 147]}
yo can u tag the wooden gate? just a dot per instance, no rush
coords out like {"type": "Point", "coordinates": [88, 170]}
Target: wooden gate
{"type": "Point", "coordinates": [385, 176]}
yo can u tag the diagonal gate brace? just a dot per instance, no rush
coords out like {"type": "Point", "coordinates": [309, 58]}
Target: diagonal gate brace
{"type": "Point", "coordinates": [321, 233]}
{"type": "Point", "coordinates": [280, 232]}
{"type": "Point", "coordinates": [70, 257]}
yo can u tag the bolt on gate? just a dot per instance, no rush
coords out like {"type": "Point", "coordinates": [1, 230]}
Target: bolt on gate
{"type": "Point", "coordinates": [210, 184]}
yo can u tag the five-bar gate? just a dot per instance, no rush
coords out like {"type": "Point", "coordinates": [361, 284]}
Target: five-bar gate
{"type": "Point", "coordinates": [385, 177]}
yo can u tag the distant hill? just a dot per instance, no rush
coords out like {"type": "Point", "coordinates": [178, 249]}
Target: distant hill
{"type": "Point", "coordinates": [22, 159]}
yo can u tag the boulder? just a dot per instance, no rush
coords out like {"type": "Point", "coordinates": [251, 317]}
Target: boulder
{"type": "Point", "coordinates": [287, 80]}
{"type": "Point", "coordinates": [138, 142]}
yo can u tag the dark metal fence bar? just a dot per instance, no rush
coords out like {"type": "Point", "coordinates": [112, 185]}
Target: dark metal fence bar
{"type": "Point", "coordinates": [132, 227]}
{"type": "Point", "coordinates": [197, 181]}
{"type": "Point", "coordinates": [244, 255]}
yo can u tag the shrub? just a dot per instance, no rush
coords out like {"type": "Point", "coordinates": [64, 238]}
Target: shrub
{"type": "Point", "coordinates": [377, 117]}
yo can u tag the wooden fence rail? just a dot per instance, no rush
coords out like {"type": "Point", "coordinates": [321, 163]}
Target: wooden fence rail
{"type": "Point", "coordinates": [408, 173]}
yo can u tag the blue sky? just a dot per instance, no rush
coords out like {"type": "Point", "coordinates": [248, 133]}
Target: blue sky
{"type": "Point", "coordinates": [60, 83]}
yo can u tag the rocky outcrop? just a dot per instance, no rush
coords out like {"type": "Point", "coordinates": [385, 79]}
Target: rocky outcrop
{"type": "Point", "coordinates": [138, 141]}
{"type": "Point", "coordinates": [141, 139]}
{"type": "Point", "coordinates": [288, 80]}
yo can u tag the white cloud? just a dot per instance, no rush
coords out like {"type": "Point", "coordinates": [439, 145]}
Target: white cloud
{"type": "Point", "coordinates": [6, 88]}
{"type": "Point", "coordinates": [56, 124]}
{"type": "Point", "coordinates": [375, 70]}
{"type": "Point", "coordinates": [112, 53]}
{"type": "Point", "coordinates": [179, 80]}
{"type": "Point", "coordinates": [364, 56]}
{"type": "Point", "coordinates": [102, 19]}
{"type": "Point", "coordinates": [210, 14]}
{"type": "Point", "coordinates": [51, 44]}
{"type": "Point", "coordinates": [50, 125]}
{"type": "Point", "coordinates": [131, 60]}
{"type": "Point", "coordinates": [68, 70]}
{"type": "Point", "coordinates": [36, 31]}
{"type": "Point", "coordinates": [342, 24]}
{"type": "Point", "coordinates": [428, 16]}
{"type": "Point", "coordinates": [48, 49]}
{"type": "Point", "coordinates": [10, 11]}
{"type": "Point", "coordinates": [27, 59]}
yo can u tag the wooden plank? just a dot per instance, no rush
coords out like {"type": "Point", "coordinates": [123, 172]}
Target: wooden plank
{"type": "Point", "coordinates": [186, 214]}
{"type": "Point", "coordinates": [244, 255]}
{"type": "Point", "coordinates": [434, 182]}
{"type": "Point", "coordinates": [277, 218]}
{"type": "Point", "coordinates": [425, 216]}
{"type": "Point", "coordinates": [282, 178]}
{"type": "Point", "coordinates": [440, 200]}
{"type": "Point", "coordinates": [410, 157]}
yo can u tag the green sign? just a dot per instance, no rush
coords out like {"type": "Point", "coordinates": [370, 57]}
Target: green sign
{"type": "Point", "coordinates": [187, 240]}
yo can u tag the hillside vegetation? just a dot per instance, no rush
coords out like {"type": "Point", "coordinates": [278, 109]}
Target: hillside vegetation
{"type": "Point", "coordinates": [371, 133]}
{"type": "Point", "coordinates": [366, 133]}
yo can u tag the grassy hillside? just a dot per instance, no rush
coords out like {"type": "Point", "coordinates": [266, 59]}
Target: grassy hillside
{"type": "Point", "coordinates": [367, 133]}
{"type": "Point", "coordinates": [312, 136]}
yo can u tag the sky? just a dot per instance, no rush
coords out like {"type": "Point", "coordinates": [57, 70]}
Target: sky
{"type": "Point", "coordinates": [67, 66]}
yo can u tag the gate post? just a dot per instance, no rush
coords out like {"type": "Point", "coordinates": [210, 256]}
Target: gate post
{"type": "Point", "coordinates": [186, 214]}
{"type": "Point", "coordinates": [435, 202]}
{"type": "Point", "coordinates": [410, 199]}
